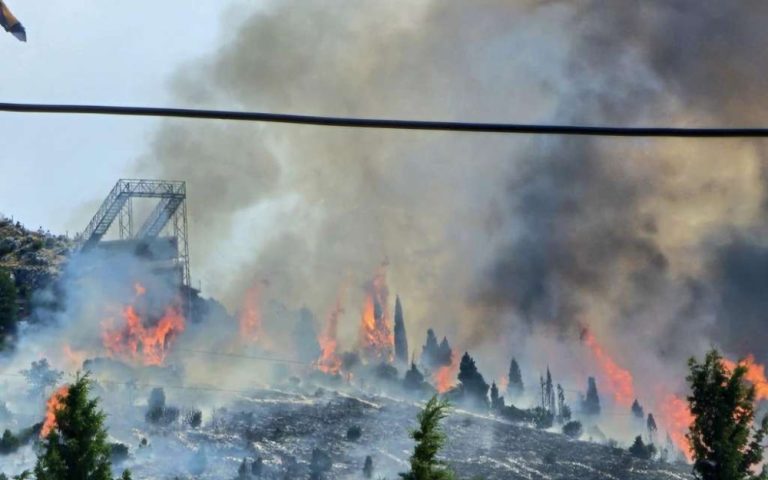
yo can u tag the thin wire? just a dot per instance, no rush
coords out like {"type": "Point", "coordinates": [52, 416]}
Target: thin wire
{"type": "Point", "coordinates": [530, 129]}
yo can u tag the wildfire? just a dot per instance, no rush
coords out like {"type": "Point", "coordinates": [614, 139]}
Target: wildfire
{"type": "Point", "coordinates": [376, 336]}
{"type": "Point", "coordinates": [135, 341]}
{"type": "Point", "coordinates": [329, 361]}
{"type": "Point", "coordinates": [74, 357]}
{"type": "Point", "coordinates": [677, 418]}
{"type": "Point", "coordinates": [619, 379]}
{"type": "Point", "coordinates": [445, 377]}
{"type": "Point", "coordinates": [54, 404]}
{"type": "Point", "coordinates": [755, 375]}
{"type": "Point", "coordinates": [251, 329]}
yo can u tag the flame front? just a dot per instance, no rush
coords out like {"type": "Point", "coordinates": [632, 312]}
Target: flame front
{"type": "Point", "coordinates": [444, 377]}
{"type": "Point", "coordinates": [54, 404]}
{"type": "Point", "coordinates": [677, 418]}
{"type": "Point", "coordinates": [376, 337]}
{"type": "Point", "coordinates": [619, 379]}
{"type": "Point", "coordinates": [146, 344]}
{"type": "Point", "coordinates": [329, 361]}
{"type": "Point", "coordinates": [251, 328]}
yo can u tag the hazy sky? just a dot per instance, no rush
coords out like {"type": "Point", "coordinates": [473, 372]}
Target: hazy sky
{"type": "Point", "coordinates": [52, 168]}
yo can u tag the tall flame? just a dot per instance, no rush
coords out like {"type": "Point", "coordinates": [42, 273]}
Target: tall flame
{"type": "Point", "coordinates": [54, 404]}
{"type": "Point", "coordinates": [329, 361]}
{"type": "Point", "coordinates": [676, 417]}
{"type": "Point", "coordinates": [620, 383]}
{"type": "Point", "coordinates": [444, 377]}
{"type": "Point", "coordinates": [376, 337]}
{"type": "Point", "coordinates": [251, 328]}
{"type": "Point", "coordinates": [135, 341]}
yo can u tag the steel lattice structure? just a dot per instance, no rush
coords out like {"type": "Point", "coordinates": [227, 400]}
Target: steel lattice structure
{"type": "Point", "coordinates": [170, 209]}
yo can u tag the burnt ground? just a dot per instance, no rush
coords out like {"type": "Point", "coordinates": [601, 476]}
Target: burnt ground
{"type": "Point", "coordinates": [283, 429]}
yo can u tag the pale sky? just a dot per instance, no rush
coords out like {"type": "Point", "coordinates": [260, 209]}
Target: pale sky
{"type": "Point", "coordinates": [83, 51]}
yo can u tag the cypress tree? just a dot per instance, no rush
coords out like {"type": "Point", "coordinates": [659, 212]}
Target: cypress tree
{"type": "Point", "coordinates": [401, 341]}
{"type": "Point", "coordinates": [591, 404]}
{"type": "Point", "coordinates": [77, 447]}
{"type": "Point", "coordinates": [515, 386]}
{"type": "Point", "coordinates": [651, 426]}
{"type": "Point", "coordinates": [7, 306]}
{"type": "Point", "coordinates": [563, 410]}
{"type": "Point", "coordinates": [430, 350]}
{"type": "Point", "coordinates": [637, 410]}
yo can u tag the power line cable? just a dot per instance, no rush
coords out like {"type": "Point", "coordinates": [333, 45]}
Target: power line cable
{"type": "Point", "coordinates": [350, 122]}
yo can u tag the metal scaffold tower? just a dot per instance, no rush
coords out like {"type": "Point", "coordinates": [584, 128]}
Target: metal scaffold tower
{"type": "Point", "coordinates": [171, 209]}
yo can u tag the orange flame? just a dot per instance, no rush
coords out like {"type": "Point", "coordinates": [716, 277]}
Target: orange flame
{"type": "Point", "coordinates": [755, 375]}
{"type": "Point", "coordinates": [620, 381]}
{"type": "Point", "coordinates": [676, 417]}
{"type": "Point", "coordinates": [329, 361]}
{"type": "Point", "coordinates": [251, 329]}
{"type": "Point", "coordinates": [135, 341]}
{"type": "Point", "coordinates": [376, 337]}
{"type": "Point", "coordinates": [54, 404]}
{"type": "Point", "coordinates": [445, 376]}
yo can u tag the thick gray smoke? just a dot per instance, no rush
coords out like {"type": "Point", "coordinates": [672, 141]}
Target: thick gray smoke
{"type": "Point", "coordinates": [644, 242]}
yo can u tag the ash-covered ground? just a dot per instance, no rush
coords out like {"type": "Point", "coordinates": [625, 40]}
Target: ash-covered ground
{"type": "Point", "coordinates": [282, 427]}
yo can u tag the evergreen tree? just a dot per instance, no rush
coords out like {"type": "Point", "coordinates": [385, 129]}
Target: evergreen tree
{"type": "Point", "coordinates": [549, 394]}
{"type": "Point", "coordinates": [652, 429]}
{"type": "Point", "coordinates": [472, 382]}
{"type": "Point", "coordinates": [7, 306]}
{"type": "Point", "coordinates": [725, 444]}
{"type": "Point", "coordinates": [590, 405]}
{"type": "Point", "coordinates": [77, 447]}
{"type": "Point", "coordinates": [497, 402]}
{"type": "Point", "coordinates": [445, 353]}
{"type": "Point", "coordinates": [515, 386]}
{"type": "Point", "coordinates": [414, 380]}
{"type": "Point", "coordinates": [637, 410]}
{"type": "Point", "coordinates": [563, 410]}
{"type": "Point", "coordinates": [368, 467]}
{"type": "Point", "coordinates": [641, 450]}
{"type": "Point", "coordinates": [430, 351]}
{"type": "Point", "coordinates": [401, 340]}
{"type": "Point", "coordinates": [429, 440]}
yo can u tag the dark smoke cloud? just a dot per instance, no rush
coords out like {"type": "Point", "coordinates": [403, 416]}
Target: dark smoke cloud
{"type": "Point", "coordinates": [483, 234]}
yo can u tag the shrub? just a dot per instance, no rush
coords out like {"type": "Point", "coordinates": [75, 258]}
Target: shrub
{"type": "Point", "coordinates": [573, 429]}
{"type": "Point", "coordinates": [354, 433]}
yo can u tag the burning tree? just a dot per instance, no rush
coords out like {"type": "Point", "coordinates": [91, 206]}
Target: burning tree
{"type": "Point", "coordinates": [436, 355]}
{"type": "Point", "coordinates": [376, 338]}
{"type": "Point", "coordinates": [76, 447]}
{"type": "Point", "coordinates": [725, 444]}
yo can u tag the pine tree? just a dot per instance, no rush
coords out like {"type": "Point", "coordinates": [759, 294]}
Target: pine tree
{"type": "Point", "coordinates": [7, 306]}
{"type": "Point", "coordinates": [429, 440]}
{"type": "Point", "coordinates": [515, 386]}
{"type": "Point", "coordinates": [591, 404]}
{"type": "Point", "coordinates": [497, 402]}
{"type": "Point", "coordinates": [401, 340]}
{"type": "Point", "coordinates": [725, 444]}
{"type": "Point", "coordinates": [637, 410]}
{"type": "Point", "coordinates": [77, 447]}
{"type": "Point", "coordinates": [473, 384]}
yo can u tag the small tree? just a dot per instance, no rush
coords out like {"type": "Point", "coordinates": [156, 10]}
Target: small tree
{"type": "Point", "coordinates": [652, 428]}
{"type": "Point", "coordinates": [429, 440]}
{"type": "Point", "coordinates": [473, 384]}
{"type": "Point", "coordinates": [641, 450]}
{"type": "Point", "coordinates": [590, 405]}
{"type": "Point", "coordinates": [77, 446]}
{"type": "Point", "coordinates": [637, 410]}
{"type": "Point", "coordinates": [725, 445]}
